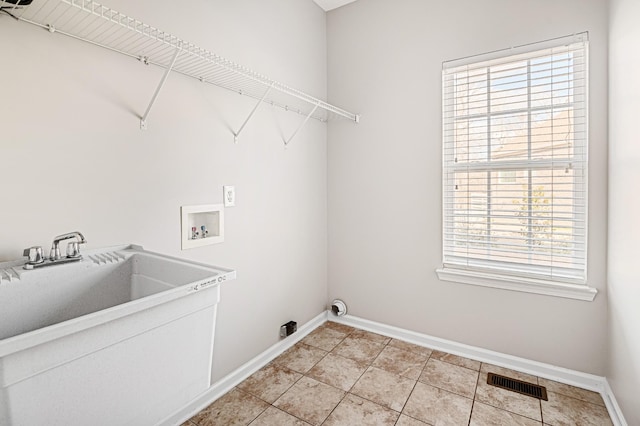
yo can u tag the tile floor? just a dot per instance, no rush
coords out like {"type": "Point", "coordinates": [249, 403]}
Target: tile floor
{"type": "Point", "coordinates": [339, 375]}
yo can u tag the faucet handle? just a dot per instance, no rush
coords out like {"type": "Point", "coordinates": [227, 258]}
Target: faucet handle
{"type": "Point", "coordinates": [54, 254]}
{"type": "Point", "coordinates": [73, 249]}
{"type": "Point", "coordinates": [34, 254]}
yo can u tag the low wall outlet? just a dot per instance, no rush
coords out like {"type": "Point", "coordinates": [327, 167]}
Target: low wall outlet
{"type": "Point", "coordinates": [288, 329]}
{"type": "Point", "coordinates": [229, 196]}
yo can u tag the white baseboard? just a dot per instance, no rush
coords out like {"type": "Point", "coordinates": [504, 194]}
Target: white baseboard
{"type": "Point", "coordinates": [559, 374]}
{"type": "Point", "coordinates": [612, 405]}
{"type": "Point", "coordinates": [236, 377]}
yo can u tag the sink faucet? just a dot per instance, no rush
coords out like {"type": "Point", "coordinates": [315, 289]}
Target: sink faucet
{"type": "Point", "coordinates": [73, 249]}
{"type": "Point", "coordinates": [35, 258]}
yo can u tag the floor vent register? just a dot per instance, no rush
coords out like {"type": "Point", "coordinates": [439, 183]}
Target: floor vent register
{"type": "Point", "coordinates": [529, 389]}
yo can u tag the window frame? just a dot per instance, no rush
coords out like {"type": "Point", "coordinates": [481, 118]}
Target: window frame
{"type": "Point", "coordinates": [491, 273]}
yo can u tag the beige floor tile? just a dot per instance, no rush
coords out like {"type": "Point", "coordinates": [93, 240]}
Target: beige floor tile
{"type": "Point", "coordinates": [450, 377]}
{"type": "Point", "coordinates": [409, 421]}
{"type": "Point", "coordinates": [398, 361]}
{"type": "Point", "coordinates": [324, 338]}
{"type": "Point", "coordinates": [406, 346]}
{"type": "Point", "coordinates": [490, 368]}
{"type": "Point", "coordinates": [270, 382]}
{"type": "Point", "coordinates": [456, 360]}
{"type": "Point", "coordinates": [486, 415]}
{"type": "Point", "coordinates": [338, 327]}
{"type": "Point", "coordinates": [384, 388]}
{"type": "Point", "coordinates": [572, 391]}
{"type": "Point", "coordinates": [563, 410]}
{"type": "Point", "coordinates": [377, 338]}
{"type": "Point", "coordinates": [310, 400]}
{"type": "Point", "coordinates": [438, 407]}
{"type": "Point", "coordinates": [354, 410]}
{"type": "Point", "coordinates": [300, 357]}
{"type": "Point", "coordinates": [362, 350]}
{"type": "Point", "coordinates": [338, 371]}
{"type": "Point", "coordinates": [507, 400]}
{"type": "Point", "coordinates": [234, 408]}
{"type": "Point", "coordinates": [275, 417]}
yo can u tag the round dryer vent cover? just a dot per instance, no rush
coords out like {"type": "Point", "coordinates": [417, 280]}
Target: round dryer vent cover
{"type": "Point", "coordinates": [338, 307]}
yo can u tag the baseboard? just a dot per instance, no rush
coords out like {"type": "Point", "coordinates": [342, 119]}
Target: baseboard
{"type": "Point", "coordinates": [612, 405]}
{"type": "Point", "coordinates": [236, 377]}
{"type": "Point", "coordinates": [559, 374]}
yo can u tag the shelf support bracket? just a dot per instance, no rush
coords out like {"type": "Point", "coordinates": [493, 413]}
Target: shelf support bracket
{"type": "Point", "coordinates": [143, 120]}
{"type": "Point", "coordinates": [301, 126]}
{"type": "Point", "coordinates": [253, 111]}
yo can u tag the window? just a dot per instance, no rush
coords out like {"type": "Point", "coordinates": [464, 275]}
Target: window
{"type": "Point", "coordinates": [515, 168]}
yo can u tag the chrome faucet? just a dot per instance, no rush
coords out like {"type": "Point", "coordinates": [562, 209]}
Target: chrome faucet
{"type": "Point", "coordinates": [37, 260]}
{"type": "Point", "coordinates": [73, 248]}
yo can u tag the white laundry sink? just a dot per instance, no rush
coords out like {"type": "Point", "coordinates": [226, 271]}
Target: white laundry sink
{"type": "Point", "coordinates": [124, 336]}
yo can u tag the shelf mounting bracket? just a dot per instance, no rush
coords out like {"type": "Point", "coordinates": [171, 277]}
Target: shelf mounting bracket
{"type": "Point", "coordinates": [143, 120]}
{"type": "Point", "coordinates": [253, 111]}
{"type": "Point", "coordinates": [301, 126]}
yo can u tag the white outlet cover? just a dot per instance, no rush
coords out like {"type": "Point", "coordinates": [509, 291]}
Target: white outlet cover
{"type": "Point", "coordinates": [229, 194]}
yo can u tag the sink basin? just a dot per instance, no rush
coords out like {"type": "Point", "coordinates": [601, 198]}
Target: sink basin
{"type": "Point", "coordinates": [120, 319]}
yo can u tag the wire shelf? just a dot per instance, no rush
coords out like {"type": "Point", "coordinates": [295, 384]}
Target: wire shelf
{"type": "Point", "coordinates": [92, 22]}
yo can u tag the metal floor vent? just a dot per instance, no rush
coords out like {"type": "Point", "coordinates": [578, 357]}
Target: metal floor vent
{"type": "Point", "coordinates": [519, 386]}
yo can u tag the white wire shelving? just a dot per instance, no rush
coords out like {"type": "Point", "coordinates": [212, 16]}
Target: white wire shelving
{"type": "Point", "coordinates": [94, 23]}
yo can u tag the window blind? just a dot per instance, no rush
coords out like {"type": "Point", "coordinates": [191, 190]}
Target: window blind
{"type": "Point", "coordinates": [515, 161]}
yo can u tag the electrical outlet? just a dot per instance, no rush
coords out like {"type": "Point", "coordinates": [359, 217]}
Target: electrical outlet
{"type": "Point", "coordinates": [288, 329]}
{"type": "Point", "coordinates": [229, 196]}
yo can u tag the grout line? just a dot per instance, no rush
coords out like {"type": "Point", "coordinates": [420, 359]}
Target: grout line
{"type": "Point", "coordinates": [325, 356]}
{"type": "Point", "coordinates": [292, 415]}
{"type": "Point", "coordinates": [576, 398]}
{"type": "Point", "coordinates": [415, 383]}
{"type": "Point", "coordinates": [540, 401]}
{"type": "Point", "coordinates": [473, 405]}
{"type": "Point", "coordinates": [368, 366]}
{"type": "Point", "coordinates": [475, 392]}
{"type": "Point", "coordinates": [334, 408]}
{"type": "Point", "coordinates": [250, 394]}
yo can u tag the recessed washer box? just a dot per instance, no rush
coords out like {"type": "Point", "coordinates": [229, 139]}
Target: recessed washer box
{"type": "Point", "coordinates": [211, 216]}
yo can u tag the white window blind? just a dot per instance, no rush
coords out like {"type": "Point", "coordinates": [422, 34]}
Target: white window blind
{"type": "Point", "coordinates": [515, 161]}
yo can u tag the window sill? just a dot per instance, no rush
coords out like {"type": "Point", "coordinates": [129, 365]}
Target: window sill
{"type": "Point", "coordinates": [522, 284]}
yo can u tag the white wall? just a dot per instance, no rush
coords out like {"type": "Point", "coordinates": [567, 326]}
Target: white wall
{"type": "Point", "coordinates": [385, 174]}
{"type": "Point", "coordinates": [72, 156]}
{"type": "Point", "coordinates": [623, 369]}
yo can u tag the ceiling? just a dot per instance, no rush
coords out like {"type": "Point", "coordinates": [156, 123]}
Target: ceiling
{"type": "Point", "coordinates": [328, 5]}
